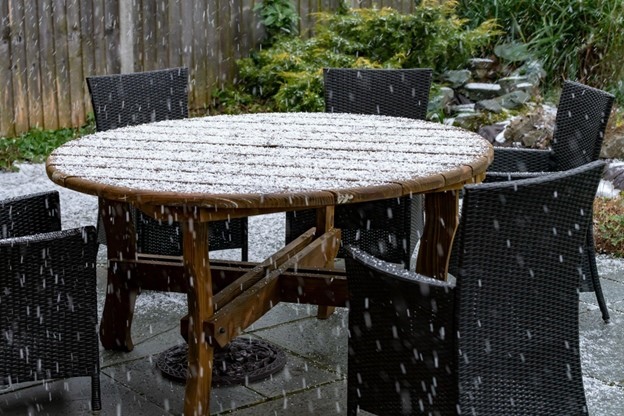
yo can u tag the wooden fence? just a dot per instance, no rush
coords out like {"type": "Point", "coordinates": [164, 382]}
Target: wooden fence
{"type": "Point", "coordinates": [48, 47]}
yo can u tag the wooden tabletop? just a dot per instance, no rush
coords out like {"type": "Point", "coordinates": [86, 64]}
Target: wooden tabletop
{"type": "Point", "coordinates": [285, 160]}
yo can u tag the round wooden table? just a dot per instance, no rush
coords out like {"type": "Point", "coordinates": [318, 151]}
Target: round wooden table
{"type": "Point", "coordinates": [206, 169]}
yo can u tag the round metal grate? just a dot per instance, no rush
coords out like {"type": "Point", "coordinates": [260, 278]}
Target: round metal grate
{"type": "Point", "coordinates": [243, 361]}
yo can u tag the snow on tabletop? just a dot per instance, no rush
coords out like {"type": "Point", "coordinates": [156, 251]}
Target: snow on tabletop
{"type": "Point", "coordinates": [268, 153]}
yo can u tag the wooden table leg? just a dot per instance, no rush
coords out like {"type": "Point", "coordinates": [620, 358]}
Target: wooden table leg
{"type": "Point", "coordinates": [121, 290]}
{"type": "Point", "coordinates": [324, 223]}
{"type": "Point", "coordinates": [200, 308]}
{"type": "Point", "coordinates": [441, 219]}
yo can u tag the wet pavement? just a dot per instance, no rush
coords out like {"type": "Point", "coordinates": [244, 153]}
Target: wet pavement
{"type": "Point", "coordinates": [313, 379]}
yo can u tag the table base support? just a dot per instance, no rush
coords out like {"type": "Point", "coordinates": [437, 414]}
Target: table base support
{"type": "Point", "coordinates": [242, 361]}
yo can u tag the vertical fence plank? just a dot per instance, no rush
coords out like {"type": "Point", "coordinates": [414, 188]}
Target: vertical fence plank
{"type": "Point", "coordinates": [174, 35]}
{"type": "Point", "coordinates": [161, 34]}
{"type": "Point", "coordinates": [139, 36]}
{"type": "Point", "coordinates": [87, 48]}
{"type": "Point", "coordinates": [246, 27]}
{"type": "Point", "coordinates": [150, 43]}
{"type": "Point", "coordinates": [203, 23]}
{"type": "Point", "coordinates": [33, 57]}
{"type": "Point", "coordinates": [62, 80]}
{"type": "Point", "coordinates": [7, 105]}
{"type": "Point", "coordinates": [305, 10]}
{"type": "Point", "coordinates": [187, 51]}
{"type": "Point", "coordinates": [48, 55]}
{"type": "Point", "coordinates": [19, 65]}
{"type": "Point", "coordinates": [225, 33]}
{"type": "Point", "coordinates": [74, 60]}
{"type": "Point", "coordinates": [99, 41]}
{"type": "Point", "coordinates": [128, 22]}
{"type": "Point", "coordinates": [111, 34]}
{"type": "Point", "coordinates": [47, 64]}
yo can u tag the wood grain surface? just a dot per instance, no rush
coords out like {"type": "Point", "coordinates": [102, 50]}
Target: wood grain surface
{"type": "Point", "coordinates": [276, 161]}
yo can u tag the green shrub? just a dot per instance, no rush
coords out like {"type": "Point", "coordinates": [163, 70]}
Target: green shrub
{"type": "Point", "coordinates": [288, 75]}
{"type": "Point", "coordinates": [574, 39]}
{"type": "Point", "coordinates": [278, 17]}
{"type": "Point", "coordinates": [35, 145]}
{"type": "Point", "coordinates": [609, 225]}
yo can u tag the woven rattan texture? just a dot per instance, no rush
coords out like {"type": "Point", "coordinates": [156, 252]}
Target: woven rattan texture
{"type": "Point", "coordinates": [142, 97]}
{"type": "Point", "coordinates": [582, 117]}
{"type": "Point", "coordinates": [130, 99]}
{"type": "Point", "coordinates": [157, 237]}
{"type": "Point", "coordinates": [48, 308]}
{"type": "Point", "coordinates": [388, 229]}
{"type": "Point", "coordinates": [400, 345]}
{"type": "Point", "coordinates": [513, 325]}
{"type": "Point", "coordinates": [580, 125]}
{"type": "Point", "coordinates": [31, 214]}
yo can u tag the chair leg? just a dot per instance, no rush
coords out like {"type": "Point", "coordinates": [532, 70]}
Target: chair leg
{"type": "Point", "coordinates": [96, 396]}
{"type": "Point", "coordinates": [245, 241]}
{"type": "Point", "coordinates": [593, 271]}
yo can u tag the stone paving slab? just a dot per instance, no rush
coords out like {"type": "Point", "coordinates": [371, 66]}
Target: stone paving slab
{"type": "Point", "coordinates": [73, 397]}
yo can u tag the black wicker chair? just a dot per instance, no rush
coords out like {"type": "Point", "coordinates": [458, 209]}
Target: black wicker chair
{"type": "Point", "coordinates": [389, 229]}
{"type": "Point", "coordinates": [580, 124]}
{"type": "Point", "coordinates": [142, 97]}
{"type": "Point", "coordinates": [48, 302]}
{"type": "Point", "coordinates": [503, 338]}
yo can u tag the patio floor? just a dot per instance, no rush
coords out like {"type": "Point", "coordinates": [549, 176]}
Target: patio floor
{"type": "Point", "coordinates": [313, 380]}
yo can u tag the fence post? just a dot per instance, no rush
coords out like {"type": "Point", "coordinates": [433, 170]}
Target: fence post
{"type": "Point", "coordinates": [127, 12]}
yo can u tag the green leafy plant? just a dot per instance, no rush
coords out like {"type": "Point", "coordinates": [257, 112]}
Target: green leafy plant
{"type": "Point", "coordinates": [580, 40]}
{"type": "Point", "coordinates": [35, 145]}
{"type": "Point", "coordinates": [287, 76]}
{"type": "Point", "coordinates": [279, 18]}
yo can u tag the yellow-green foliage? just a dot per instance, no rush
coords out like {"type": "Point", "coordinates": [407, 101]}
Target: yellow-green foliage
{"type": "Point", "coordinates": [288, 75]}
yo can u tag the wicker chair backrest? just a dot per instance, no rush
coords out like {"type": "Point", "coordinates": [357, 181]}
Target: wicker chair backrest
{"type": "Point", "coordinates": [519, 268]}
{"type": "Point", "coordinates": [581, 120]}
{"type": "Point", "coordinates": [388, 92]}
{"type": "Point", "coordinates": [121, 100]}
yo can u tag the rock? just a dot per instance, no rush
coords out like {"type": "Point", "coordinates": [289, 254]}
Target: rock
{"type": "Point", "coordinates": [509, 84]}
{"type": "Point", "coordinates": [463, 108]}
{"type": "Point", "coordinates": [456, 78]}
{"type": "Point", "coordinates": [615, 173]}
{"type": "Point", "coordinates": [478, 91]}
{"type": "Point", "coordinates": [481, 63]}
{"type": "Point", "coordinates": [482, 68]}
{"type": "Point", "coordinates": [513, 100]}
{"type": "Point", "coordinates": [441, 100]}
{"type": "Point", "coordinates": [533, 130]}
{"type": "Point", "coordinates": [533, 71]}
{"type": "Point", "coordinates": [509, 101]}
{"type": "Point", "coordinates": [527, 87]}
{"type": "Point", "coordinates": [613, 144]}
{"type": "Point", "coordinates": [467, 120]}
{"type": "Point", "coordinates": [491, 105]}
{"type": "Point", "coordinates": [491, 132]}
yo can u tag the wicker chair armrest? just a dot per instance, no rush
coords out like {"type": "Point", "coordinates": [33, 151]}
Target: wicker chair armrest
{"type": "Point", "coordinates": [30, 214]}
{"type": "Point", "coordinates": [508, 159]}
{"type": "Point", "coordinates": [511, 176]}
{"type": "Point", "coordinates": [395, 271]}
{"type": "Point", "coordinates": [88, 236]}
